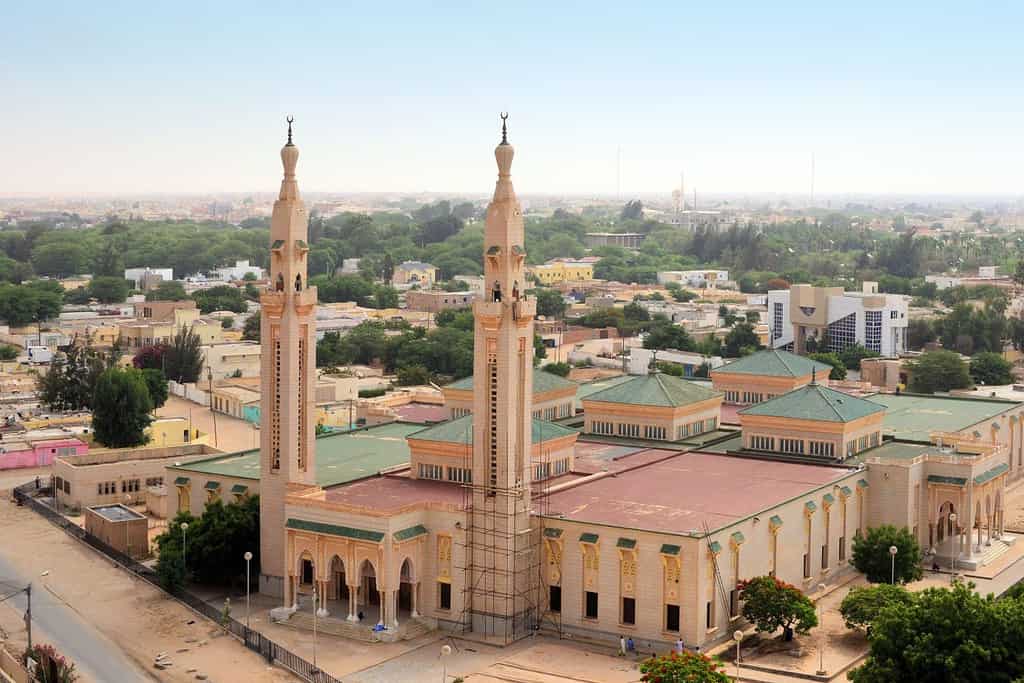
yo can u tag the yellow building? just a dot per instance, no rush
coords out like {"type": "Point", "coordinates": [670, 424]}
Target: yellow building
{"type": "Point", "coordinates": [562, 270]}
{"type": "Point", "coordinates": [415, 273]}
{"type": "Point", "coordinates": [148, 331]}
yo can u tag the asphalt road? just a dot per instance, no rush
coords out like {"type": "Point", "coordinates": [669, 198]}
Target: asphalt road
{"type": "Point", "coordinates": [95, 656]}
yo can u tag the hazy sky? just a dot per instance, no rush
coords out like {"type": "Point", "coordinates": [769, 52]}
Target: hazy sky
{"type": "Point", "coordinates": [191, 97]}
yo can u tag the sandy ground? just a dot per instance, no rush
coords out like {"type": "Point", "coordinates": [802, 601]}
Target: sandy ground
{"type": "Point", "coordinates": [232, 434]}
{"type": "Point", "coordinates": [138, 617]}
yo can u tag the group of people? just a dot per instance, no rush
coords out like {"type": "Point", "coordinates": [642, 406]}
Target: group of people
{"type": "Point", "coordinates": [627, 646]}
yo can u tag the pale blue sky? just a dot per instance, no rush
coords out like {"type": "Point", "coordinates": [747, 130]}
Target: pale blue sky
{"type": "Point", "coordinates": [890, 97]}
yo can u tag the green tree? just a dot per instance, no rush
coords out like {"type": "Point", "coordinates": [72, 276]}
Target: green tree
{"type": "Point", "coordinates": [838, 371]}
{"type": "Point", "coordinates": [167, 290]}
{"type": "Point", "coordinates": [412, 375]}
{"type": "Point", "coordinates": [385, 297]}
{"type": "Point", "coordinates": [183, 359]}
{"type": "Point", "coordinates": [937, 371]}
{"type": "Point", "coordinates": [220, 298]}
{"type": "Point", "coordinates": [664, 334]}
{"type": "Point", "coordinates": [156, 384]}
{"type": "Point", "coordinates": [852, 356]}
{"type": "Point", "coordinates": [688, 667]}
{"type": "Point", "coordinates": [217, 541]}
{"type": "Point", "coordinates": [8, 352]}
{"type": "Point", "coordinates": [633, 210]}
{"type": "Point", "coordinates": [920, 331]}
{"type": "Point", "coordinates": [251, 328]}
{"type": "Point", "coordinates": [109, 262]}
{"type": "Point", "coordinates": [951, 635]}
{"type": "Point", "coordinates": [990, 368]}
{"type": "Point", "coordinates": [550, 302]}
{"type": "Point", "coordinates": [70, 381]}
{"type": "Point", "coordinates": [121, 407]}
{"type": "Point", "coordinates": [108, 289]}
{"type": "Point", "coordinates": [1018, 272]}
{"type": "Point", "coordinates": [364, 343]}
{"type": "Point", "coordinates": [771, 604]}
{"type": "Point", "coordinates": [871, 555]}
{"type": "Point", "coordinates": [329, 351]}
{"type": "Point", "coordinates": [742, 340]}
{"type": "Point", "coordinates": [560, 369]}
{"type": "Point", "coordinates": [862, 605]}
{"type": "Point", "coordinates": [170, 570]}
{"type": "Point", "coordinates": [635, 312]}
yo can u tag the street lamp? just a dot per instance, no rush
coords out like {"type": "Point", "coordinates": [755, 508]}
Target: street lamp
{"type": "Point", "coordinates": [892, 555]}
{"type": "Point", "coordinates": [952, 562]}
{"type": "Point", "coordinates": [738, 637]}
{"type": "Point", "coordinates": [184, 545]}
{"type": "Point", "coordinates": [248, 558]}
{"type": "Point", "coordinates": [821, 635]}
{"type": "Point", "coordinates": [445, 651]}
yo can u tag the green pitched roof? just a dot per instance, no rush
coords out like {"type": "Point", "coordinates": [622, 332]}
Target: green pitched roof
{"type": "Point", "coordinates": [181, 481]}
{"type": "Point", "coordinates": [774, 363]}
{"type": "Point", "coordinates": [213, 486]}
{"type": "Point", "coordinates": [829, 498]}
{"type": "Point", "coordinates": [669, 549]}
{"type": "Point", "coordinates": [656, 389]}
{"type": "Point", "coordinates": [543, 382]}
{"type": "Point", "coordinates": [628, 543]}
{"type": "Point", "coordinates": [587, 537]}
{"type": "Point", "coordinates": [460, 430]}
{"type": "Point", "coordinates": [714, 547]}
{"type": "Point", "coordinates": [815, 402]}
{"type": "Point", "coordinates": [551, 532]}
{"type": "Point", "coordinates": [411, 532]}
{"type": "Point", "coordinates": [239, 489]}
{"type": "Point", "coordinates": [335, 530]}
{"type": "Point", "coordinates": [776, 520]}
{"type": "Point", "coordinates": [738, 538]}
{"type": "Point", "coordinates": [992, 473]}
{"type": "Point", "coordinates": [943, 479]}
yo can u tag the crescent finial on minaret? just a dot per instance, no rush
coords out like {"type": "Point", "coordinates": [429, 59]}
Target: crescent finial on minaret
{"type": "Point", "coordinates": [289, 119]}
{"type": "Point", "coordinates": [504, 128]}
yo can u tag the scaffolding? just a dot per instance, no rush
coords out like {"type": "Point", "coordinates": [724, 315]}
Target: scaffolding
{"type": "Point", "coordinates": [502, 557]}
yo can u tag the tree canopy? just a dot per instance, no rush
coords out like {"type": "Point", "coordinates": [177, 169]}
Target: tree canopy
{"type": "Point", "coordinates": [771, 604]}
{"type": "Point", "coordinates": [862, 605]}
{"type": "Point", "coordinates": [937, 371]}
{"type": "Point", "coordinates": [990, 368]}
{"type": "Point", "coordinates": [688, 667]}
{"type": "Point", "coordinates": [121, 407]}
{"type": "Point", "coordinates": [871, 555]}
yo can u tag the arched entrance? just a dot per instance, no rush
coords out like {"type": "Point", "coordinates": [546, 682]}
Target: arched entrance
{"type": "Point", "coordinates": [945, 524]}
{"type": "Point", "coordinates": [338, 588]}
{"type": "Point", "coordinates": [408, 586]}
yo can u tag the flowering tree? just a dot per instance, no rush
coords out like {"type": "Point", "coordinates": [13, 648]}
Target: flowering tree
{"type": "Point", "coordinates": [51, 667]}
{"type": "Point", "coordinates": [688, 667]}
{"type": "Point", "coordinates": [770, 604]}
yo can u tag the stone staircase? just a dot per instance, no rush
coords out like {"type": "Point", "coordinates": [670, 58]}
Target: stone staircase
{"type": "Point", "coordinates": [363, 632]}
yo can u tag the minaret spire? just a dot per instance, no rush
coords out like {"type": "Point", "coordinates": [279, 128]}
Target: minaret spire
{"type": "Point", "coordinates": [289, 119]}
{"type": "Point", "coordinates": [504, 128]}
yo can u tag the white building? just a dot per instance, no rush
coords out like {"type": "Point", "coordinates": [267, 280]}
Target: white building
{"type": "Point", "coordinates": [137, 275]}
{"type": "Point", "coordinates": [700, 279]}
{"type": "Point", "coordinates": [802, 313]}
{"type": "Point", "coordinates": [239, 271]}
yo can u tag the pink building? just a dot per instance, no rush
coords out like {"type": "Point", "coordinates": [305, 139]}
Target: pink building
{"type": "Point", "coordinates": [15, 454]}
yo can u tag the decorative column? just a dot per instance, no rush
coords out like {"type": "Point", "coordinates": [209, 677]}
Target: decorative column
{"type": "Point", "coordinates": [295, 592]}
{"type": "Point", "coordinates": [353, 598]}
{"type": "Point", "coordinates": [392, 609]}
{"type": "Point", "coordinates": [415, 599]}
{"type": "Point", "coordinates": [382, 599]}
{"type": "Point", "coordinates": [322, 611]}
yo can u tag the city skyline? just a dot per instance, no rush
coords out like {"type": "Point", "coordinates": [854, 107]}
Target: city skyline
{"type": "Point", "coordinates": [887, 100]}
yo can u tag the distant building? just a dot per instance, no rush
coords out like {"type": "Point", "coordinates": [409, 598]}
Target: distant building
{"type": "Point", "coordinates": [626, 240]}
{"type": "Point", "coordinates": [239, 271]}
{"type": "Point", "coordinates": [803, 312]}
{"type": "Point", "coordinates": [434, 301]}
{"type": "Point", "coordinates": [141, 277]}
{"type": "Point", "coordinates": [474, 282]}
{"type": "Point", "coordinates": [350, 266]}
{"type": "Point", "coordinates": [120, 527]}
{"type": "Point", "coordinates": [415, 273]}
{"type": "Point", "coordinates": [696, 220]}
{"type": "Point", "coordinates": [563, 270]}
{"type": "Point", "coordinates": [698, 279]}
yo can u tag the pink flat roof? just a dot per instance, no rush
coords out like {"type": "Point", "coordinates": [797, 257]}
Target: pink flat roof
{"type": "Point", "coordinates": [422, 413]}
{"type": "Point", "coordinates": [393, 492]}
{"type": "Point", "coordinates": [682, 493]}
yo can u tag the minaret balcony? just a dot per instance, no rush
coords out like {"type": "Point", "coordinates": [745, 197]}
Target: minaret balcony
{"type": "Point", "coordinates": [488, 313]}
{"type": "Point", "coordinates": [524, 311]}
{"type": "Point", "coordinates": [272, 302]}
{"type": "Point", "coordinates": [305, 300]}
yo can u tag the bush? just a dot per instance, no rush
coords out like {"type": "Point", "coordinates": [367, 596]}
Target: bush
{"type": "Point", "coordinates": [8, 352]}
{"type": "Point", "coordinates": [560, 369]}
{"type": "Point", "coordinates": [990, 368]}
{"type": "Point", "coordinates": [688, 667]}
{"type": "Point", "coordinates": [412, 375]}
{"type": "Point", "coordinates": [862, 605]}
{"type": "Point", "coordinates": [871, 555]}
{"type": "Point", "coordinates": [371, 393]}
{"type": "Point", "coordinates": [937, 371]}
{"type": "Point", "coordinates": [838, 371]}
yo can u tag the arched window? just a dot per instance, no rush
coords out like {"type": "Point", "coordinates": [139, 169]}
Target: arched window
{"type": "Point", "coordinates": [280, 283]}
{"type": "Point", "coordinates": [298, 283]}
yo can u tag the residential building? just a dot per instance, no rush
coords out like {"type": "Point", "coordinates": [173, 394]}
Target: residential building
{"type": "Point", "coordinates": [434, 301]}
{"type": "Point", "coordinates": [839, 319]}
{"type": "Point", "coordinates": [141, 277]}
{"type": "Point", "coordinates": [697, 279]}
{"type": "Point", "coordinates": [239, 271]}
{"type": "Point", "coordinates": [231, 359]}
{"type": "Point", "coordinates": [763, 375]}
{"type": "Point", "coordinates": [410, 273]}
{"type": "Point", "coordinates": [557, 271]}
{"type": "Point", "coordinates": [626, 240]}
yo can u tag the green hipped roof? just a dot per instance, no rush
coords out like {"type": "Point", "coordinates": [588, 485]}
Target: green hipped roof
{"type": "Point", "coordinates": [181, 481]}
{"type": "Point", "coordinates": [847, 491]}
{"type": "Point", "coordinates": [829, 498]}
{"type": "Point", "coordinates": [738, 538]}
{"type": "Point", "coordinates": [815, 402]}
{"type": "Point", "coordinates": [239, 489]}
{"type": "Point", "coordinates": [655, 389]}
{"type": "Point", "coordinates": [628, 543]}
{"type": "Point", "coordinates": [776, 520]}
{"type": "Point", "coordinates": [551, 532]}
{"type": "Point", "coordinates": [669, 549]}
{"type": "Point", "coordinates": [213, 486]}
{"type": "Point", "coordinates": [810, 506]}
{"type": "Point", "coordinates": [587, 537]}
{"type": "Point", "coordinates": [714, 546]}
{"type": "Point", "coordinates": [543, 382]}
{"type": "Point", "coordinates": [460, 430]}
{"type": "Point", "coordinates": [411, 532]}
{"type": "Point", "coordinates": [774, 363]}
{"type": "Point", "coordinates": [335, 530]}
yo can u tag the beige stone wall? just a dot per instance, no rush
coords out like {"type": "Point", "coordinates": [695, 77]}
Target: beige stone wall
{"type": "Point", "coordinates": [750, 389]}
{"type": "Point", "coordinates": [545, 406]}
{"type": "Point", "coordinates": [866, 433]}
{"type": "Point", "coordinates": [130, 537]}
{"type": "Point", "coordinates": [696, 585]}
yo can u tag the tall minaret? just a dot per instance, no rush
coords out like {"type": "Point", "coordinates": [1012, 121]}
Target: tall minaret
{"type": "Point", "coordinates": [288, 372]}
{"type": "Point", "coordinates": [500, 542]}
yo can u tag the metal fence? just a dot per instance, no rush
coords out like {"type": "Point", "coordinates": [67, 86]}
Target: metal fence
{"type": "Point", "coordinates": [26, 495]}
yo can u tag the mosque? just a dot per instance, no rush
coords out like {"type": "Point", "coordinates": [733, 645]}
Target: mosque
{"type": "Point", "coordinates": [637, 518]}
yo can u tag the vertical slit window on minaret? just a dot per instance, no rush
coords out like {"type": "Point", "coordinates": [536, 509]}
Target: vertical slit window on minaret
{"type": "Point", "coordinates": [492, 407]}
{"type": "Point", "coordinates": [275, 421]}
{"type": "Point", "coordinates": [301, 395]}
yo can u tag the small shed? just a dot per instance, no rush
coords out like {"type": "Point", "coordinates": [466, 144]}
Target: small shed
{"type": "Point", "coordinates": [120, 527]}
